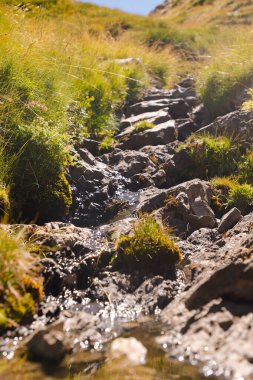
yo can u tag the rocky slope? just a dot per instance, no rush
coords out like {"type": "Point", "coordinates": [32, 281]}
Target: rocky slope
{"type": "Point", "coordinates": [206, 305]}
{"type": "Point", "coordinates": [205, 11]}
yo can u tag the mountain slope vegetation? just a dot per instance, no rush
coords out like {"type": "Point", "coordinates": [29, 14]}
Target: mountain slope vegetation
{"type": "Point", "coordinates": [67, 68]}
{"type": "Point", "coordinates": [207, 11]}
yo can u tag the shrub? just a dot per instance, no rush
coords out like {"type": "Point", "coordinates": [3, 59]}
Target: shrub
{"type": "Point", "coordinates": [151, 248]}
{"type": "Point", "coordinates": [212, 156]}
{"type": "Point", "coordinates": [20, 283]}
{"type": "Point", "coordinates": [143, 125]}
{"type": "Point", "coordinates": [39, 187]}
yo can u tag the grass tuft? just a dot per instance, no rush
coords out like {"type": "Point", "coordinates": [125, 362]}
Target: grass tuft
{"type": "Point", "coordinates": [151, 248]}
{"type": "Point", "coordinates": [212, 156]}
{"type": "Point", "coordinates": [143, 125]}
{"type": "Point", "coordinates": [20, 283]}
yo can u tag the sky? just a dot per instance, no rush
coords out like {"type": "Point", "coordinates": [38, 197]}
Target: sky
{"type": "Point", "coordinates": [132, 6]}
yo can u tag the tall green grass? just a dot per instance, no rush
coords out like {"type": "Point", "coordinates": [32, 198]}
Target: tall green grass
{"type": "Point", "coordinates": [228, 73]}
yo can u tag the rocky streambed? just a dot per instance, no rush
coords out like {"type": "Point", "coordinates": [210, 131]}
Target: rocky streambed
{"type": "Point", "coordinates": [201, 314]}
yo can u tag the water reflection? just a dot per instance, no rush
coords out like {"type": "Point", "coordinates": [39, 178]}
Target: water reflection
{"type": "Point", "coordinates": [100, 365]}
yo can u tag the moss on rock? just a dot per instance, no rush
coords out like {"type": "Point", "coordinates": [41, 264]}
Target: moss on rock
{"type": "Point", "coordinates": [150, 248]}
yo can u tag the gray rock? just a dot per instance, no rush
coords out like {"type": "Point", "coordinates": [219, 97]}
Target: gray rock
{"type": "Point", "coordinates": [87, 156]}
{"type": "Point", "coordinates": [212, 318]}
{"type": "Point", "coordinates": [179, 109]}
{"type": "Point", "coordinates": [193, 204]}
{"type": "Point", "coordinates": [161, 134]}
{"type": "Point", "coordinates": [229, 220]}
{"type": "Point", "coordinates": [200, 116]}
{"type": "Point", "coordinates": [185, 128]}
{"type": "Point", "coordinates": [147, 106]}
{"type": "Point", "coordinates": [60, 235]}
{"type": "Point", "coordinates": [49, 344]}
{"type": "Point", "coordinates": [158, 94]}
{"type": "Point", "coordinates": [238, 123]}
{"type": "Point", "coordinates": [157, 117]}
{"type": "Point", "coordinates": [151, 199]}
{"type": "Point", "coordinates": [235, 281]}
{"type": "Point", "coordinates": [129, 162]}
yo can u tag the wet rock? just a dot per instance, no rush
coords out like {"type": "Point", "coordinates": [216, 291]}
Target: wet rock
{"type": "Point", "coordinates": [49, 344]}
{"type": "Point", "coordinates": [229, 220]}
{"type": "Point", "coordinates": [129, 163]}
{"type": "Point", "coordinates": [130, 348]}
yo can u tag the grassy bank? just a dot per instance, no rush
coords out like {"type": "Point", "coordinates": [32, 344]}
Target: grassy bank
{"type": "Point", "coordinates": [62, 77]}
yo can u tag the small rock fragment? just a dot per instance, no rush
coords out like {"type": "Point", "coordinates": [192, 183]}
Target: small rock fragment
{"type": "Point", "coordinates": [229, 220]}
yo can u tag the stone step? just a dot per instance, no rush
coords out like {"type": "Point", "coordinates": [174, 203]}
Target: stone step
{"type": "Point", "coordinates": [178, 108]}
{"type": "Point", "coordinates": [147, 106]}
{"type": "Point", "coordinates": [161, 134]}
{"type": "Point", "coordinates": [156, 117]}
{"type": "Point", "coordinates": [176, 92]}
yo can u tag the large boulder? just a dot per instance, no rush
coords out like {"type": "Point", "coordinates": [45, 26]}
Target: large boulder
{"type": "Point", "coordinates": [233, 282]}
{"type": "Point", "coordinates": [211, 320]}
{"type": "Point", "coordinates": [189, 201]}
{"type": "Point", "coordinates": [238, 124]}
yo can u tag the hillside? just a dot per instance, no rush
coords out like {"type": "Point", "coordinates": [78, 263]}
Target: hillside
{"type": "Point", "coordinates": [126, 191]}
{"type": "Point", "coordinates": [202, 12]}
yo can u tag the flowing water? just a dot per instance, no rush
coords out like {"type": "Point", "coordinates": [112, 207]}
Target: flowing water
{"type": "Point", "coordinates": [100, 365]}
